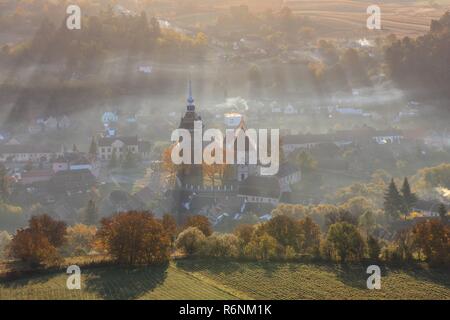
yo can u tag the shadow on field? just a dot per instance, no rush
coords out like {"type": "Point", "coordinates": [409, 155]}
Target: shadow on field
{"type": "Point", "coordinates": [436, 276]}
{"type": "Point", "coordinates": [16, 283]}
{"type": "Point", "coordinates": [352, 275]}
{"type": "Point", "coordinates": [214, 266]}
{"type": "Point", "coordinates": [224, 266]}
{"type": "Point", "coordinates": [268, 267]}
{"type": "Point", "coordinates": [125, 283]}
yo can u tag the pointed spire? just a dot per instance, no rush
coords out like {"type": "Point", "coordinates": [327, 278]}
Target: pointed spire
{"type": "Point", "coordinates": [190, 99]}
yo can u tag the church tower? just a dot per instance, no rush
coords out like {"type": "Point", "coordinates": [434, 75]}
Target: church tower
{"type": "Point", "coordinates": [190, 174]}
{"type": "Point", "coordinates": [187, 121]}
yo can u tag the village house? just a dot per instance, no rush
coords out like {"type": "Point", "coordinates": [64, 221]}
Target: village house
{"type": "Point", "coordinates": [341, 138]}
{"type": "Point", "coordinates": [50, 123]}
{"type": "Point", "coordinates": [289, 109]}
{"type": "Point", "coordinates": [25, 153]}
{"type": "Point", "coordinates": [350, 111]}
{"type": "Point", "coordinates": [110, 117]}
{"type": "Point", "coordinates": [288, 175]}
{"type": "Point", "coordinates": [429, 208]}
{"type": "Point", "coordinates": [71, 181]}
{"type": "Point", "coordinates": [75, 161]}
{"type": "Point", "coordinates": [121, 146]}
{"type": "Point", "coordinates": [260, 190]}
{"type": "Point", "coordinates": [33, 176]}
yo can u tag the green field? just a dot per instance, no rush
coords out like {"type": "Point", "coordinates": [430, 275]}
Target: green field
{"type": "Point", "coordinates": [201, 279]}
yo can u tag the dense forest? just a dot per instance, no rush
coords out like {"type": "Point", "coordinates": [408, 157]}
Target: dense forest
{"type": "Point", "coordinates": [100, 36]}
{"type": "Point", "coordinates": [423, 62]}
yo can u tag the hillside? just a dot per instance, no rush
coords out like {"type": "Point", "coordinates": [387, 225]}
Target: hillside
{"type": "Point", "coordinates": [200, 279]}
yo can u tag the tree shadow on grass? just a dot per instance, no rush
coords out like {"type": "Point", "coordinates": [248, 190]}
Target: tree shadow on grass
{"type": "Point", "coordinates": [124, 283]}
{"type": "Point", "coordinates": [227, 266]}
{"type": "Point", "coordinates": [27, 279]}
{"type": "Point", "coordinates": [269, 267]}
{"type": "Point", "coordinates": [436, 276]}
{"type": "Point", "coordinates": [212, 265]}
{"type": "Point", "coordinates": [353, 275]}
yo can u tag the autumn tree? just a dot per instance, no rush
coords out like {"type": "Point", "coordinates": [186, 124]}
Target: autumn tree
{"type": "Point", "coordinates": [167, 164]}
{"type": "Point", "coordinates": [345, 241]}
{"type": "Point", "coordinates": [339, 215]}
{"type": "Point", "coordinates": [80, 239]}
{"type": "Point", "coordinates": [261, 247]}
{"type": "Point", "coordinates": [38, 243]}
{"type": "Point", "coordinates": [53, 230]}
{"type": "Point", "coordinates": [214, 172]}
{"type": "Point", "coordinates": [32, 248]}
{"type": "Point", "coordinates": [309, 233]}
{"type": "Point", "coordinates": [404, 245]}
{"type": "Point", "coordinates": [284, 230]}
{"type": "Point", "coordinates": [135, 237]}
{"type": "Point", "coordinates": [432, 239]}
{"type": "Point", "coordinates": [190, 240]}
{"type": "Point", "coordinates": [357, 206]}
{"type": "Point", "coordinates": [294, 211]}
{"type": "Point", "coordinates": [200, 222]}
{"type": "Point", "coordinates": [221, 245]}
{"type": "Point", "coordinates": [244, 233]}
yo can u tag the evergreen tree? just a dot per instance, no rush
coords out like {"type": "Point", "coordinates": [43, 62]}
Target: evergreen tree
{"type": "Point", "coordinates": [90, 213]}
{"type": "Point", "coordinates": [4, 183]}
{"type": "Point", "coordinates": [93, 148]}
{"type": "Point", "coordinates": [409, 198]}
{"type": "Point", "coordinates": [393, 201]}
{"type": "Point", "coordinates": [113, 160]}
{"type": "Point", "coordinates": [443, 213]}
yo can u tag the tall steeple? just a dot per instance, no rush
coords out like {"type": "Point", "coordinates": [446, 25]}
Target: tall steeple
{"type": "Point", "coordinates": [190, 99]}
{"type": "Point", "coordinates": [187, 121]}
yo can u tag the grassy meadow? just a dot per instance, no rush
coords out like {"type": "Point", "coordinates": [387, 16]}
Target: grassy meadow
{"type": "Point", "coordinates": [223, 280]}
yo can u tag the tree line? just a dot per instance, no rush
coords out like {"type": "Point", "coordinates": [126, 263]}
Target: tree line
{"type": "Point", "coordinates": [101, 35]}
{"type": "Point", "coordinates": [139, 238]}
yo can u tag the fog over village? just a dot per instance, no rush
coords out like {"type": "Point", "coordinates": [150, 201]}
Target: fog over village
{"type": "Point", "coordinates": [361, 167]}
